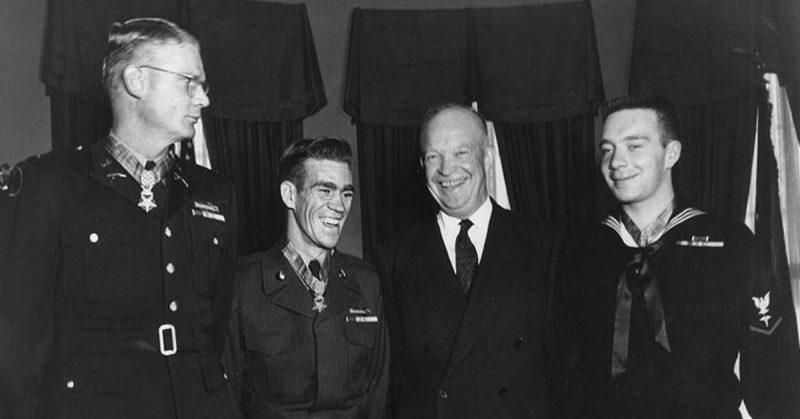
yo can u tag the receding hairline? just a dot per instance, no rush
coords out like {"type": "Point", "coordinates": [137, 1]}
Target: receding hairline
{"type": "Point", "coordinates": [475, 119]}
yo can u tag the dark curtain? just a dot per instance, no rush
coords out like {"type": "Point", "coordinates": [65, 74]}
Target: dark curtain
{"type": "Point", "coordinates": [703, 56]}
{"type": "Point", "coordinates": [551, 175]}
{"type": "Point", "coordinates": [713, 172]}
{"type": "Point", "coordinates": [77, 121]}
{"type": "Point", "coordinates": [780, 19]}
{"type": "Point", "coordinates": [240, 149]}
{"type": "Point", "coordinates": [393, 191]}
{"type": "Point", "coordinates": [262, 64]}
{"type": "Point", "coordinates": [526, 66]}
{"type": "Point", "coordinates": [74, 45]}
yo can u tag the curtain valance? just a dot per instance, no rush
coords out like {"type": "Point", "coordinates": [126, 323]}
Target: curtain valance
{"type": "Point", "coordinates": [259, 57]}
{"type": "Point", "coordinates": [523, 64]}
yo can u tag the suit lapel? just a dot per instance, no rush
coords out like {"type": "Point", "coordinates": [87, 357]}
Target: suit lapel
{"type": "Point", "coordinates": [490, 287]}
{"type": "Point", "coordinates": [434, 277]}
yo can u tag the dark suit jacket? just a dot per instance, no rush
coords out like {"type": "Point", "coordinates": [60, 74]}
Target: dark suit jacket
{"type": "Point", "coordinates": [485, 357]}
{"type": "Point", "coordinates": [297, 363]}
{"type": "Point", "coordinates": [87, 278]}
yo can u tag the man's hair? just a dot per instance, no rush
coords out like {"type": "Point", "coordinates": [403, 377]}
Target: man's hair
{"type": "Point", "coordinates": [668, 123]}
{"type": "Point", "coordinates": [433, 112]}
{"type": "Point", "coordinates": [292, 161]}
{"type": "Point", "coordinates": [126, 39]}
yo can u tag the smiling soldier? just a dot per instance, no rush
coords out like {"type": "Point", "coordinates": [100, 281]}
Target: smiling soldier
{"type": "Point", "coordinates": [309, 334]}
{"type": "Point", "coordinates": [660, 297]}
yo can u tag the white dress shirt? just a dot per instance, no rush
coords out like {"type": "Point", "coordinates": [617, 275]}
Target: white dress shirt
{"type": "Point", "coordinates": [450, 227]}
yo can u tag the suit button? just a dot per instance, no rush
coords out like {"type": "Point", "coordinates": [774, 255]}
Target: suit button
{"type": "Point", "coordinates": [94, 237]}
{"type": "Point", "coordinates": [215, 241]}
{"type": "Point", "coordinates": [502, 392]}
{"type": "Point", "coordinates": [170, 268]}
{"type": "Point", "coordinates": [167, 231]}
{"type": "Point", "coordinates": [443, 394]}
{"type": "Point", "coordinates": [517, 343]}
{"type": "Point", "coordinates": [425, 348]}
{"type": "Point", "coordinates": [173, 306]}
{"type": "Point", "coordinates": [70, 384]}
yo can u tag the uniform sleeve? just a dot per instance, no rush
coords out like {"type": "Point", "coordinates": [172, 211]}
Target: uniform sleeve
{"type": "Point", "coordinates": [235, 356]}
{"type": "Point", "coordinates": [567, 385]}
{"type": "Point", "coordinates": [770, 356]}
{"type": "Point", "coordinates": [223, 294]}
{"type": "Point", "coordinates": [379, 385]}
{"type": "Point", "coordinates": [392, 316]}
{"type": "Point", "coordinates": [29, 254]}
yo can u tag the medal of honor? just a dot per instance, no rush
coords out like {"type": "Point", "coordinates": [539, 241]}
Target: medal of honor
{"type": "Point", "coordinates": [318, 287]}
{"type": "Point", "coordinates": [146, 199]}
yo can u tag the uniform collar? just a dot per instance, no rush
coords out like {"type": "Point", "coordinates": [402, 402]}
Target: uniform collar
{"type": "Point", "coordinates": [132, 162]}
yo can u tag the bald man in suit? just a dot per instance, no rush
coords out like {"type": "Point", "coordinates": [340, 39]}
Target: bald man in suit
{"type": "Point", "coordinates": [467, 289]}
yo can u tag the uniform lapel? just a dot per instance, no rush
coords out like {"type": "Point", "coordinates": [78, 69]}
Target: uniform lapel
{"type": "Point", "coordinates": [180, 188]}
{"type": "Point", "coordinates": [491, 285]}
{"type": "Point", "coordinates": [110, 173]}
{"type": "Point", "coordinates": [281, 285]}
{"type": "Point", "coordinates": [434, 277]}
{"type": "Point", "coordinates": [341, 293]}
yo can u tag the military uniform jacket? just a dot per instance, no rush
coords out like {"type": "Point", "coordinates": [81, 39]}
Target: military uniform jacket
{"type": "Point", "coordinates": [479, 357]}
{"type": "Point", "coordinates": [717, 302]}
{"type": "Point", "coordinates": [297, 363]}
{"type": "Point", "coordinates": [107, 311]}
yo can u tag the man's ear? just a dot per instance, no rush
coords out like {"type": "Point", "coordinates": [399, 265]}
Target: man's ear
{"type": "Point", "coordinates": [673, 153]}
{"type": "Point", "coordinates": [288, 193]}
{"type": "Point", "coordinates": [488, 158]}
{"type": "Point", "coordinates": [133, 81]}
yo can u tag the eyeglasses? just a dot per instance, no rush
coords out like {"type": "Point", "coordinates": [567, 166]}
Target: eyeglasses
{"type": "Point", "coordinates": [192, 82]}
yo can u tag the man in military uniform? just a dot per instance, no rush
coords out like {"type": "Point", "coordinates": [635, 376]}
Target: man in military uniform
{"type": "Point", "coordinates": [660, 297]}
{"type": "Point", "coordinates": [308, 326]}
{"type": "Point", "coordinates": [117, 259]}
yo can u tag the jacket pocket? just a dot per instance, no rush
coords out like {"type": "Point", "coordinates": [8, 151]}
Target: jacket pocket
{"type": "Point", "coordinates": [361, 334]}
{"type": "Point", "coordinates": [207, 251]}
{"type": "Point", "coordinates": [362, 357]}
{"type": "Point", "coordinates": [101, 374]}
{"type": "Point", "coordinates": [280, 366]}
{"type": "Point", "coordinates": [214, 375]}
{"type": "Point", "coordinates": [102, 261]}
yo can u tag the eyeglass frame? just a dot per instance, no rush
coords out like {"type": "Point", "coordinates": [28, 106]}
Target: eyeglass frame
{"type": "Point", "coordinates": [203, 85]}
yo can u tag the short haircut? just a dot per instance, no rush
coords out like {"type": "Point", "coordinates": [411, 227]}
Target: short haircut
{"type": "Point", "coordinates": [292, 161]}
{"type": "Point", "coordinates": [668, 123]}
{"type": "Point", "coordinates": [126, 39]}
{"type": "Point", "coordinates": [433, 112]}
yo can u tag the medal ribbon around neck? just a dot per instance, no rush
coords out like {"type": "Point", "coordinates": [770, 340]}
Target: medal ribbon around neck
{"type": "Point", "coordinates": [307, 276]}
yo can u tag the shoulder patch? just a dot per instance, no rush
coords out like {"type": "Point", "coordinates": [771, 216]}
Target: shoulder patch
{"type": "Point", "coordinates": [10, 180]}
{"type": "Point", "coordinates": [762, 320]}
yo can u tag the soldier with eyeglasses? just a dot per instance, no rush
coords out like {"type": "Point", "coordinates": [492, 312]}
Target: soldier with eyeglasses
{"type": "Point", "coordinates": [117, 260]}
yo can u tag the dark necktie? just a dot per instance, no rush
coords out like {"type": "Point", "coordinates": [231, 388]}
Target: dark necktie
{"type": "Point", "coordinates": [466, 256]}
{"type": "Point", "coordinates": [637, 275]}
